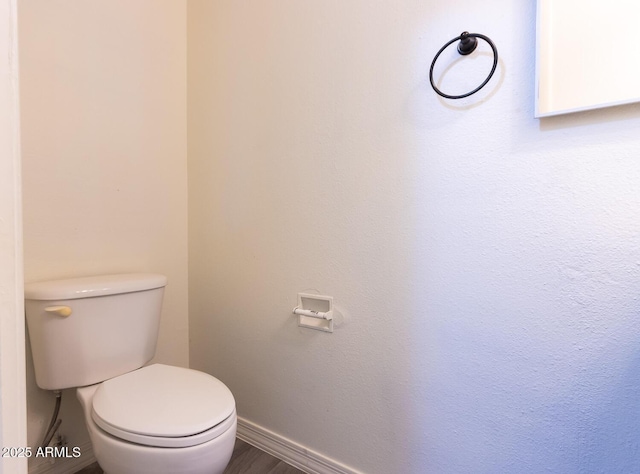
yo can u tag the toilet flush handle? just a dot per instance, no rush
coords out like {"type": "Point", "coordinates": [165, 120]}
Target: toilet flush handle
{"type": "Point", "coordinates": [59, 310]}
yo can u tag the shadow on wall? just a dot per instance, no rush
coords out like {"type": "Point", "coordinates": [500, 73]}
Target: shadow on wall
{"type": "Point", "coordinates": [612, 423]}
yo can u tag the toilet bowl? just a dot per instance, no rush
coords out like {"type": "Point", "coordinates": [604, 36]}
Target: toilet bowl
{"type": "Point", "coordinates": [96, 334]}
{"type": "Point", "coordinates": [160, 419]}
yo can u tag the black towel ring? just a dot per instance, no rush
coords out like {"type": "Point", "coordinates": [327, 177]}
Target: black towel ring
{"type": "Point", "coordinates": [468, 44]}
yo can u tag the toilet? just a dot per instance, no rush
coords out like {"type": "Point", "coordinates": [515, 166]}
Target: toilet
{"type": "Point", "coordinates": [96, 334]}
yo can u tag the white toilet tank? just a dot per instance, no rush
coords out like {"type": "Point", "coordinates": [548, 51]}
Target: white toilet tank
{"type": "Point", "coordinates": [87, 330]}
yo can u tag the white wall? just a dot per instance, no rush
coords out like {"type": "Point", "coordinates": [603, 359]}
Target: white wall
{"type": "Point", "coordinates": [103, 89]}
{"type": "Point", "coordinates": [488, 263]}
{"type": "Point", "coordinates": [12, 366]}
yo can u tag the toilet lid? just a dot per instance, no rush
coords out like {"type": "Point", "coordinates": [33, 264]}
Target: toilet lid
{"type": "Point", "coordinates": [161, 401]}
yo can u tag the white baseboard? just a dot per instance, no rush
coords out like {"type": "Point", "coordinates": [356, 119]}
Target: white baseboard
{"type": "Point", "coordinates": [292, 453]}
{"type": "Point", "coordinates": [63, 465]}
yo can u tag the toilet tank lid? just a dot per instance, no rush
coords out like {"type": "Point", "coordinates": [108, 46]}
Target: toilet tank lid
{"type": "Point", "coordinates": [88, 287]}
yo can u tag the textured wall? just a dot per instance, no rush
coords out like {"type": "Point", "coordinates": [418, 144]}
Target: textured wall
{"type": "Point", "coordinates": [488, 264]}
{"type": "Point", "coordinates": [103, 96]}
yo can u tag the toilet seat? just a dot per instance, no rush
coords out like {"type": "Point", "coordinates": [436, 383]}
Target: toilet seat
{"type": "Point", "coordinates": [164, 406]}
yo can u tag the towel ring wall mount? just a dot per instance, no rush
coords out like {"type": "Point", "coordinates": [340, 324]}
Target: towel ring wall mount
{"type": "Point", "coordinates": [468, 44]}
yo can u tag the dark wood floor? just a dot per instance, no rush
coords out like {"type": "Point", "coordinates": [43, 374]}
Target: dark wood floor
{"type": "Point", "coordinates": [246, 459]}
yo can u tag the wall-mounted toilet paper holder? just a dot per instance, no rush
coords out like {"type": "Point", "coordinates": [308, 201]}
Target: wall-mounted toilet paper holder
{"type": "Point", "coordinates": [315, 312]}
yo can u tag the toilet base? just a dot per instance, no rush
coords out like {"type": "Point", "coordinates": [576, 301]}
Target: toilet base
{"type": "Point", "coordinates": [207, 458]}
